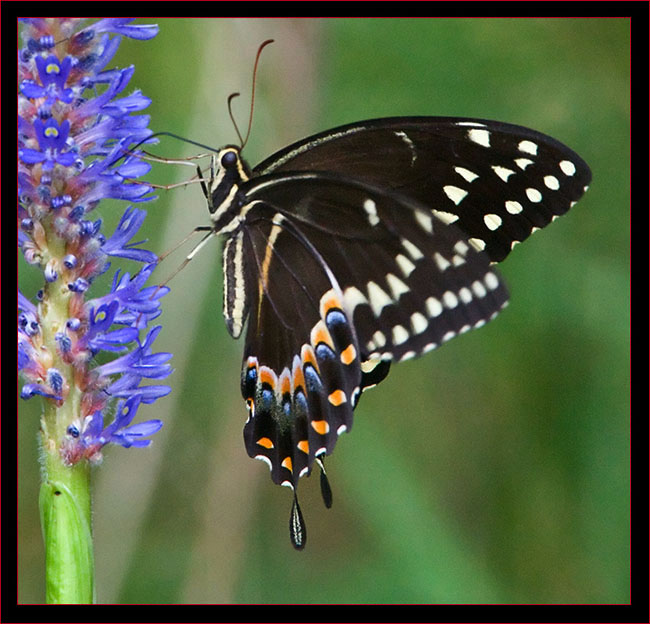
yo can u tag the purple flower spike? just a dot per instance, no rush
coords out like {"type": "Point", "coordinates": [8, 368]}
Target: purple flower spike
{"type": "Point", "coordinates": [74, 150]}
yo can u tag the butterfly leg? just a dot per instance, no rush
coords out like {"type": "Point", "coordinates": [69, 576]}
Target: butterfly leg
{"type": "Point", "coordinates": [194, 251]}
{"type": "Point", "coordinates": [190, 256]}
{"type": "Point", "coordinates": [170, 161]}
{"type": "Point", "coordinates": [204, 188]}
{"type": "Point", "coordinates": [200, 228]}
{"type": "Point", "coordinates": [169, 187]}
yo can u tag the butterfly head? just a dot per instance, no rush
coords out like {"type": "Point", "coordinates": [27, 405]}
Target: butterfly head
{"type": "Point", "coordinates": [228, 171]}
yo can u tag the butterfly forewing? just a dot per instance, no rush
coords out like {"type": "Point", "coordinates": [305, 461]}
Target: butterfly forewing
{"type": "Point", "coordinates": [498, 182]}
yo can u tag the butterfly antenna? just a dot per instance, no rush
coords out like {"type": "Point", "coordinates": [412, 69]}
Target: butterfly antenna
{"type": "Point", "coordinates": [231, 97]}
{"type": "Point", "coordinates": [250, 117]}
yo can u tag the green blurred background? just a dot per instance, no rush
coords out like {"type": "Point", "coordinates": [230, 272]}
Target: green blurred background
{"type": "Point", "coordinates": [495, 469]}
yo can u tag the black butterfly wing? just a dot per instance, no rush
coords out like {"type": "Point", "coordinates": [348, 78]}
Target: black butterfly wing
{"type": "Point", "coordinates": [301, 373]}
{"type": "Point", "coordinates": [343, 278]}
{"type": "Point", "coordinates": [497, 182]}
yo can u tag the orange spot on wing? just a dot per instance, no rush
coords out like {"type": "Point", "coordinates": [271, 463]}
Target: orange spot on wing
{"type": "Point", "coordinates": [337, 397]}
{"type": "Point", "coordinates": [298, 379]}
{"type": "Point", "coordinates": [285, 384]}
{"type": "Point", "coordinates": [267, 443]}
{"type": "Point", "coordinates": [329, 301]}
{"type": "Point", "coordinates": [320, 426]}
{"type": "Point", "coordinates": [319, 334]}
{"type": "Point", "coordinates": [309, 357]}
{"type": "Point", "coordinates": [349, 354]}
{"type": "Point", "coordinates": [303, 445]}
{"type": "Point", "coordinates": [286, 463]}
{"type": "Point", "coordinates": [268, 376]}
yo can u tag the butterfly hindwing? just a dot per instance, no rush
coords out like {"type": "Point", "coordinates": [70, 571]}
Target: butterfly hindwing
{"type": "Point", "coordinates": [314, 340]}
{"type": "Point", "coordinates": [409, 280]}
{"type": "Point", "coordinates": [301, 372]}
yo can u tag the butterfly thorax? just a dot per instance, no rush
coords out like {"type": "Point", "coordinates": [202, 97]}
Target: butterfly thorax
{"type": "Point", "coordinates": [228, 173]}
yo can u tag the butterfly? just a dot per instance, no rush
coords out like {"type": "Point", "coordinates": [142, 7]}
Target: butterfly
{"type": "Point", "coordinates": [364, 245]}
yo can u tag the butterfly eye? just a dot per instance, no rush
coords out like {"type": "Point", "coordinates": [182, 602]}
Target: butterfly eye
{"type": "Point", "coordinates": [229, 159]}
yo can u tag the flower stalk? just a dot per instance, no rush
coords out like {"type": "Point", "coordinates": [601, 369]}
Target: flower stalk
{"type": "Point", "coordinates": [75, 128]}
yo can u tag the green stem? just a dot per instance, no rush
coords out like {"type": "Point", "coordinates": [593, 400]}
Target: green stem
{"type": "Point", "coordinates": [65, 504]}
{"type": "Point", "coordinates": [65, 496]}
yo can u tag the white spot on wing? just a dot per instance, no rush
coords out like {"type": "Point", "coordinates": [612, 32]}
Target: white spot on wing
{"type": "Point", "coordinates": [481, 137]}
{"type": "Point", "coordinates": [418, 322]}
{"type": "Point", "coordinates": [455, 193]}
{"type": "Point", "coordinates": [400, 335]}
{"type": "Point", "coordinates": [405, 265]}
{"type": "Point", "coordinates": [503, 172]}
{"type": "Point", "coordinates": [492, 221]}
{"type": "Point", "coordinates": [424, 220]}
{"type": "Point", "coordinates": [479, 289]}
{"type": "Point", "coordinates": [441, 261]}
{"type": "Point", "coordinates": [533, 195]}
{"type": "Point", "coordinates": [352, 297]}
{"type": "Point", "coordinates": [552, 182]}
{"type": "Point", "coordinates": [396, 285]}
{"type": "Point", "coordinates": [445, 217]}
{"type": "Point", "coordinates": [379, 339]}
{"type": "Point", "coordinates": [568, 168]}
{"type": "Point", "coordinates": [465, 295]}
{"type": "Point", "coordinates": [477, 243]}
{"type": "Point", "coordinates": [461, 248]}
{"type": "Point", "coordinates": [371, 210]}
{"type": "Point", "coordinates": [491, 280]}
{"type": "Point", "coordinates": [468, 175]}
{"type": "Point", "coordinates": [266, 460]}
{"type": "Point", "coordinates": [434, 307]}
{"type": "Point", "coordinates": [448, 336]}
{"type": "Point", "coordinates": [377, 298]}
{"type": "Point", "coordinates": [522, 163]}
{"type": "Point", "coordinates": [513, 207]}
{"type": "Point", "coordinates": [528, 147]}
{"type": "Point", "coordinates": [412, 250]}
{"type": "Point", "coordinates": [449, 299]}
